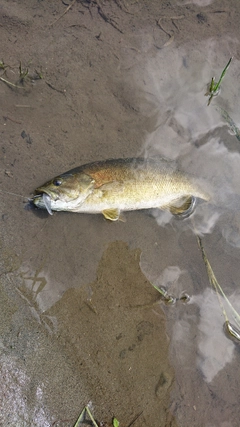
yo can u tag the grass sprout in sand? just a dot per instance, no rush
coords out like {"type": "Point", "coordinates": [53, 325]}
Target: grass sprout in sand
{"type": "Point", "coordinates": [214, 88]}
{"type": "Point", "coordinates": [81, 418]}
{"type": "Point", "coordinates": [86, 411]}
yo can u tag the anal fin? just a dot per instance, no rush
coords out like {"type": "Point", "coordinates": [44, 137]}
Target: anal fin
{"type": "Point", "coordinates": [111, 214]}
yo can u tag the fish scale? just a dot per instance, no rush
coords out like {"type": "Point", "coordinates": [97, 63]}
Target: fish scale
{"type": "Point", "coordinates": [115, 185]}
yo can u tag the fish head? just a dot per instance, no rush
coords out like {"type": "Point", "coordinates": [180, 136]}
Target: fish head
{"type": "Point", "coordinates": [64, 192]}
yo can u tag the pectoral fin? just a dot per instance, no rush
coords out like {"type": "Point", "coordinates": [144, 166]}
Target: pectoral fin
{"type": "Point", "coordinates": [111, 214]}
{"type": "Point", "coordinates": [183, 207]}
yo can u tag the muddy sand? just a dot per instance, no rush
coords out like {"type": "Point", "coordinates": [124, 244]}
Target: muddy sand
{"type": "Point", "coordinates": [81, 323]}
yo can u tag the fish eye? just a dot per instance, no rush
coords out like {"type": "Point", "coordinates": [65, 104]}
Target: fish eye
{"type": "Point", "coordinates": [57, 182]}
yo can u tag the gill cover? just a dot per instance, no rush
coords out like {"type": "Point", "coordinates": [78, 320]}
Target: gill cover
{"type": "Point", "coordinates": [65, 192]}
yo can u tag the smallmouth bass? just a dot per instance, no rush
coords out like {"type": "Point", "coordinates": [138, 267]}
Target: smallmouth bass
{"type": "Point", "coordinates": [117, 185]}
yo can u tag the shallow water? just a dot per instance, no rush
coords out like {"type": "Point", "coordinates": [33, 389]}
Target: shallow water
{"type": "Point", "coordinates": [80, 321]}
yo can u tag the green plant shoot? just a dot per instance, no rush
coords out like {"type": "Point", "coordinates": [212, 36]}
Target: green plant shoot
{"type": "Point", "coordinates": [215, 87]}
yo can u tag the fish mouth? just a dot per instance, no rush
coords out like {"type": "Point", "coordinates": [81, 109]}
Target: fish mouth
{"type": "Point", "coordinates": [46, 199]}
{"type": "Point", "coordinates": [41, 190]}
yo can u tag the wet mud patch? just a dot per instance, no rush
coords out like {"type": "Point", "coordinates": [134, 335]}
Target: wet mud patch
{"type": "Point", "coordinates": [117, 342]}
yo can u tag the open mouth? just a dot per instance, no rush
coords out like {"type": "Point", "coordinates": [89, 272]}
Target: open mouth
{"type": "Point", "coordinates": [46, 201]}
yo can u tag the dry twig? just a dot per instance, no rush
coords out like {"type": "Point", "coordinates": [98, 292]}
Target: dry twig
{"type": "Point", "coordinates": [64, 13]}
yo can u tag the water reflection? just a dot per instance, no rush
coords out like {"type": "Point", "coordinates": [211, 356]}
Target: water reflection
{"type": "Point", "coordinates": [23, 404]}
{"type": "Point", "coordinates": [168, 279]}
{"type": "Point", "coordinates": [193, 134]}
{"type": "Point", "coordinates": [231, 230]}
{"type": "Point", "coordinates": [215, 350]}
{"type": "Point", "coordinates": [38, 288]}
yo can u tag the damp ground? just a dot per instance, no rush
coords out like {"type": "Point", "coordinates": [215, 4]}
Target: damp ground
{"type": "Point", "coordinates": [80, 321]}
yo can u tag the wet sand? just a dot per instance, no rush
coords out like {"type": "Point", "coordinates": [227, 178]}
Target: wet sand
{"type": "Point", "coordinates": [80, 321]}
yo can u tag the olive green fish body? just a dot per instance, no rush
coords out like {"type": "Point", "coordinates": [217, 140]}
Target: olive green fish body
{"type": "Point", "coordinates": [112, 186]}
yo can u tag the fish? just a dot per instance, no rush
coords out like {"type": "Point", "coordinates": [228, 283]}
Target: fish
{"type": "Point", "coordinates": [113, 186]}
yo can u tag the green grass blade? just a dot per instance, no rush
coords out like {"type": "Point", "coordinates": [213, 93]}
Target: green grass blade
{"type": "Point", "coordinates": [222, 75]}
{"type": "Point", "coordinates": [79, 420]}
